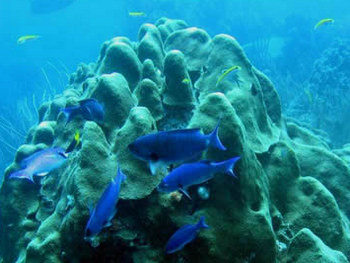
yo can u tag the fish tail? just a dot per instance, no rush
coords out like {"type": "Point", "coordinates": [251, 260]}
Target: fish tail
{"type": "Point", "coordinates": [215, 140]}
{"type": "Point", "coordinates": [120, 173]}
{"type": "Point", "coordinates": [201, 223]}
{"type": "Point", "coordinates": [227, 166]}
{"type": "Point", "coordinates": [69, 112]}
{"type": "Point", "coordinates": [23, 174]}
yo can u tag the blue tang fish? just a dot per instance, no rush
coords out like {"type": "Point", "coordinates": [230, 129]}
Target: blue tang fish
{"type": "Point", "coordinates": [89, 109]}
{"type": "Point", "coordinates": [105, 209]}
{"type": "Point", "coordinates": [40, 163]}
{"type": "Point", "coordinates": [184, 235]}
{"type": "Point", "coordinates": [170, 147]}
{"type": "Point", "coordinates": [194, 173]}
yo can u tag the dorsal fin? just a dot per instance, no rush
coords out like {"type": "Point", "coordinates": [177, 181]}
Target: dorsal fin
{"type": "Point", "coordinates": [195, 130]}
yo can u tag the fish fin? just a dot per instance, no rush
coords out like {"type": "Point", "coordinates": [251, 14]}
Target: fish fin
{"type": "Point", "coordinates": [119, 173]}
{"type": "Point", "coordinates": [107, 224]}
{"type": "Point", "coordinates": [214, 139]}
{"type": "Point", "coordinates": [71, 147]}
{"type": "Point", "coordinates": [23, 174]}
{"type": "Point", "coordinates": [227, 166]}
{"type": "Point", "coordinates": [184, 192]}
{"type": "Point", "coordinates": [201, 223]}
{"type": "Point", "coordinates": [156, 166]}
{"type": "Point", "coordinates": [42, 174]}
{"type": "Point", "coordinates": [68, 112]}
{"type": "Point", "coordinates": [91, 207]}
{"type": "Point", "coordinates": [84, 101]}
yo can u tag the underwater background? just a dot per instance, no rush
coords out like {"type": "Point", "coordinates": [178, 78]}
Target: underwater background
{"type": "Point", "coordinates": [284, 109]}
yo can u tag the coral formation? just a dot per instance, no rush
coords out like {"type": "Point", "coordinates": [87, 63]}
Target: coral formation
{"type": "Point", "coordinates": [289, 203]}
{"type": "Point", "coordinates": [324, 102]}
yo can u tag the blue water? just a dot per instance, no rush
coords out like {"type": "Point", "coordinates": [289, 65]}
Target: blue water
{"type": "Point", "coordinates": [37, 70]}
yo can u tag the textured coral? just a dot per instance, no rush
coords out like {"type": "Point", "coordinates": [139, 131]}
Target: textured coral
{"type": "Point", "coordinates": [324, 104]}
{"type": "Point", "coordinates": [289, 203]}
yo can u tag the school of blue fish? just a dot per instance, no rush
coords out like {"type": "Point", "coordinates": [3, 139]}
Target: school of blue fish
{"type": "Point", "coordinates": [162, 149]}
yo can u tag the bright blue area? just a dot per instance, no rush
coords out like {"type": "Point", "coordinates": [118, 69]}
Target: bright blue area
{"type": "Point", "coordinates": [74, 34]}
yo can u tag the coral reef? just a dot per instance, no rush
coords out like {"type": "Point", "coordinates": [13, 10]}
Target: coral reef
{"type": "Point", "coordinates": [290, 202]}
{"type": "Point", "coordinates": [323, 102]}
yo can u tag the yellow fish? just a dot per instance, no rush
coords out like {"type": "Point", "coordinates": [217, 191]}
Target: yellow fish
{"type": "Point", "coordinates": [75, 142]}
{"type": "Point", "coordinates": [186, 81]}
{"type": "Point", "coordinates": [226, 72]}
{"type": "Point", "coordinates": [21, 40]}
{"type": "Point", "coordinates": [308, 95]}
{"type": "Point", "coordinates": [323, 21]}
{"type": "Point", "coordinates": [137, 14]}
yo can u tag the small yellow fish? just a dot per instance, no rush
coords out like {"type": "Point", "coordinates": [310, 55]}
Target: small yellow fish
{"type": "Point", "coordinates": [21, 40]}
{"type": "Point", "coordinates": [140, 14]}
{"type": "Point", "coordinates": [226, 72]}
{"type": "Point", "coordinates": [186, 81]}
{"type": "Point", "coordinates": [308, 95]}
{"type": "Point", "coordinates": [323, 21]}
{"type": "Point", "coordinates": [75, 142]}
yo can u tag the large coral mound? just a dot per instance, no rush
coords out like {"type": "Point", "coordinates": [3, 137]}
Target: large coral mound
{"type": "Point", "coordinates": [289, 204]}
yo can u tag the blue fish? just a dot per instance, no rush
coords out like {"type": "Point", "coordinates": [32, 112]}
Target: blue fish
{"type": "Point", "coordinates": [184, 235]}
{"type": "Point", "coordinates": [89, 109]}
{"type": "Point", "coordinates": [40, 163]}
{"type": "Point", "coordinates": [105, 209]}
{"type": "Point", "coordinates": [170, 147]}
{"type": "Point", "coordinates": [193, 174]}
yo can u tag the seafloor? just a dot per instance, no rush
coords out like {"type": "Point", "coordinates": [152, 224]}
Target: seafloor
{"type": "Point", "coordinates": [290, 202]}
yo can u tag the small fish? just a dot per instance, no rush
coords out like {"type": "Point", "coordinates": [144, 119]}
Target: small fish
{"type": "Point", "coordinates": [184, 235]}
{"type": "Point", "coordinates": [308, 95]}
{"type": "Point", "coordinates": [23, 39]}
{"type": "Point", "coordinates": [169, 147]}
{"type": "Point", "coordinates": [75, 142]}
{"type": "Point", "coordinates": [323, 22]}
{"type": "Point", "coordinates": [103, 213]}
{"type": "Point", "coordinates": [89, 109]}
{"type": "Point", "coordinates": [137, 14]}
{"type": "Point", "coordinates": [190, 174]}
{"type": "Point", "coordinates": [40, 163]}
{"type": "Point", "coordinates": [233, 69]}
{"type": "Point", "coordinates": [186, 81]}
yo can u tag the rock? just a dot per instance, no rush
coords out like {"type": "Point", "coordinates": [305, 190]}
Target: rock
{"type": "Point", "coordinates": [194, 43]}
{"type": "Point", "coordinates": [148, 96]}
{"type": "Point", "coordinates": [44, 133]}
{"type": "Point", "coordinates": [307, 247]}
{"type": "Point", "coordinates": [177, 93]}
{"type": "Point", "coordinates": [150, 72]}
{"type": "Point", "coordinates": [113, 92]}
{"type": "Point", "coordinates": [151, 45]}
{"type": "Point", "coordinates": [120, 58]}
{"type": "Point", "coordinates": [167, 26]}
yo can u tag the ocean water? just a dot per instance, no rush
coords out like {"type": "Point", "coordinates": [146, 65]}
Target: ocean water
{"type": "Point", "coordinates": [309, 68]}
